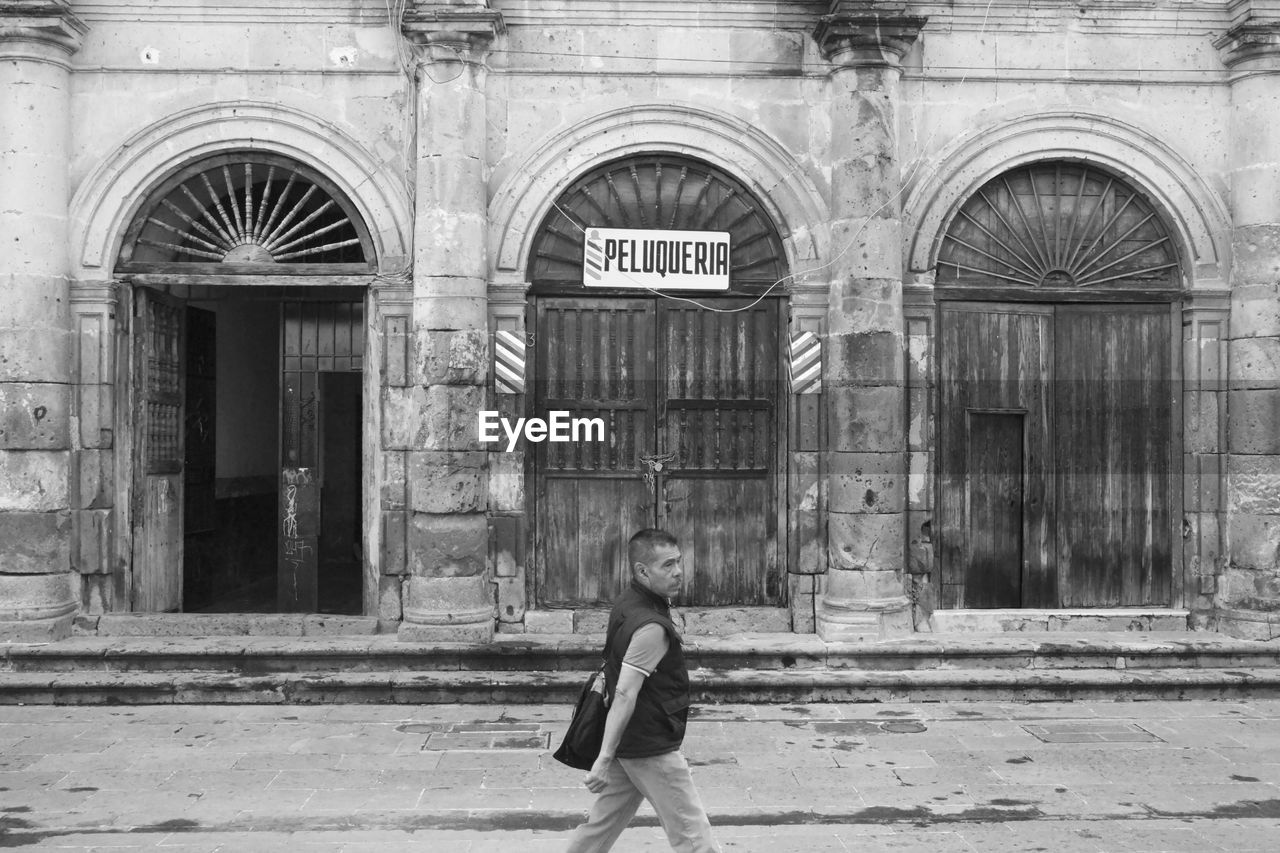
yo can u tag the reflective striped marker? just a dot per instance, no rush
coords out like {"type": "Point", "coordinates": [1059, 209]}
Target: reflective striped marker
{"type": "Point", "coordinates": [805, 363]}
{"type": "Point", "coordinates": [508, 362]}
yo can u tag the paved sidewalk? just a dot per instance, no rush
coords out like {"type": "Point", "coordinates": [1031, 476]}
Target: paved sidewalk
{"type": "Point", "coordinates": [1061, 777]}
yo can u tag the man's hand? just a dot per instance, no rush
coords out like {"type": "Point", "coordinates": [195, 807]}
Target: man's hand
{"type": "Point", "coordinates": [598, 777]}
{"type": "Point", "coordinates": [630, 680]}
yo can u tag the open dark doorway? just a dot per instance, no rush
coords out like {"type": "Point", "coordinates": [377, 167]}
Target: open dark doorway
{"type": "Point", "coordinates": [230, 474]}
{"type": "Point", "coordinates": [272, 396]}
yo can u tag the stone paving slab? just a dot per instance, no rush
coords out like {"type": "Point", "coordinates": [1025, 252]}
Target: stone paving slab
{"type": "Point", "coordinates": [775, 778]}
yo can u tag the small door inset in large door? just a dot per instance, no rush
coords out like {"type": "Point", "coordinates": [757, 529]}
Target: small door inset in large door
{"type": "Point", "coordinates": [996, 456]}
{"type": "Point", "coordinates": [689, 401]}
{"type": "Point", "coordinates": [1056, 445]}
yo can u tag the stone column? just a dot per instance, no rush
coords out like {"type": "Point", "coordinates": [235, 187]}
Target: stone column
{"type": "Point", "coordinates": [449, 595]}
{"type": "Point", "coordinates": [37, 596]}
{"type": "Point", "coordinates": [1248, 593]}
{"type": "Point", "coordinates": [864, 360]}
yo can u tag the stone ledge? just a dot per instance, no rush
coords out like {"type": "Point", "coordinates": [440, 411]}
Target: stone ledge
{"type": "Point", "coordinates": [1021, 621]}
{"type": "Point", "coordinates": [409, 687]}
{"type": "Point", "coordinates": [224, 624]}
{"type": "Point", "coordinates": [550, 653]}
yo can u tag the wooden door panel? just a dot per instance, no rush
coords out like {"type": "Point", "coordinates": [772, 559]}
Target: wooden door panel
{"type": "Point", "coordinates": [718, 424]}
{"type": "Point", "coordinates": [729, 554]}
{"type": "Point", "coordinates": [595, 359]}
{"type": "Point", "coordinates": [157, 546]}
{"type": "Point", "coordinates": [995, 359]}
{"type": "Point", "coordinates": [1114, 446]}
{"type": "Point", "coordinates": [994, 575]}
{"type": "Point", "coordinates": [585, 526]}
{"type": "Point", "coordinates": [159, 391]}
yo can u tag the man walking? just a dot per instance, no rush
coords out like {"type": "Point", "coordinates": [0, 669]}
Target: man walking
{"type": "Point", "coordinates": [640, 757]}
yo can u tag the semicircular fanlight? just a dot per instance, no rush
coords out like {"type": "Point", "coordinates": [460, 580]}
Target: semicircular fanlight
{"type": "Point", "coordinates": [245, 211]}
{"type": "Point", "coordinates": [1057, 225]}
{"type": "Point", "coordinates": [658, 192]}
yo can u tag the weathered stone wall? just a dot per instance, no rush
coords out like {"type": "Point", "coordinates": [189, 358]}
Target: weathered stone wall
{"type": "Point", "coordinates": [859, 162]}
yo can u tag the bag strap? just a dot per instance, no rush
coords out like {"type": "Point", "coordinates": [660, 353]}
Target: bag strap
{"type": "Point", "coordinates": [604, 664]}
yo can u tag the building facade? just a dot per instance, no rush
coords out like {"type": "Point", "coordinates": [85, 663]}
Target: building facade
{"type": "Point", "coordinates": [1000, 334]}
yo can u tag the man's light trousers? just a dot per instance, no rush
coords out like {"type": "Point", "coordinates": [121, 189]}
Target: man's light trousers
{"type": "Point", "coordinates": [665, 782]}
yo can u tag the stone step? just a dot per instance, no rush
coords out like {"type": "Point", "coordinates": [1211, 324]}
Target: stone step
{"type": "Point", "coordinates": [710, 686]}
{"type": "Point", "coordinates": [551, 668]}
{"type": "Point", "coordinates": [253, 656]}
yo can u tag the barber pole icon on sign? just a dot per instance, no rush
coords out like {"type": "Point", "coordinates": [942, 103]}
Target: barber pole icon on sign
{"type": "Point", "coordinates": [593, 260]}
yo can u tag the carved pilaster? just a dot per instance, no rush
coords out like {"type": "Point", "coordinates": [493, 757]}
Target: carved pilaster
{"type": "Point", "coordinates": [94, 308]}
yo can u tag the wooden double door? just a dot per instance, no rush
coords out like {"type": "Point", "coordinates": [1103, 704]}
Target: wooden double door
{"type": "Point", "coordinates": [689, 397]}
{"type": "Point", "coordinates": [1056, 455]}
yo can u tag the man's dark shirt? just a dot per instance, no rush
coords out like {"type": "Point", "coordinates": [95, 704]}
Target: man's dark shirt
{"type": "Point", "coordinates": [662, 705]}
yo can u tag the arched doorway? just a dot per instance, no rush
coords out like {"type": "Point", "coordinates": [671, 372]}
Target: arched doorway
{"type": "Point", "coordinates": [689, 387]}
{"type": "Point", "coordinates": [247, 275]}
{"type": "Point", "coordinates": [1058, 290]}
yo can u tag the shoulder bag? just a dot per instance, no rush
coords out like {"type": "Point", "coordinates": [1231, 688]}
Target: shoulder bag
{"type": "Point", "coordinates": [581, 744]}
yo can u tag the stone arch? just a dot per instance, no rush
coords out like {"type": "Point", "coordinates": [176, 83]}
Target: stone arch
{"type": "Point", "coordinates": [109, 198]}
{"type": "Point", "coordinates": [759, 162]}
{"type": "Point", "coordinates": [1193, 210]}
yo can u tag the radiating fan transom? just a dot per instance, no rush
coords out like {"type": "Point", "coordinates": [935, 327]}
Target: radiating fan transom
{"type": "Point", "coordinates": [1057, 225]}
{"type": "Point", "coordinates": [661, 192]}
{"type": "Point", "coordinates": [245, 210]}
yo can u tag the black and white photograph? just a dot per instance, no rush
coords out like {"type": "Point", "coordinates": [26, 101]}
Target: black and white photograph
{"type": "Point", "coordinates": [571, 426]}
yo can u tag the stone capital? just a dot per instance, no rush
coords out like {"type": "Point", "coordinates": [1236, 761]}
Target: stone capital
{"type": "Point", "coordinates": [1249, 43]}
{"type": "Point", "coordinates": [95, 293]}
{"type": "Point", "coordinates": [42, 23]}
{"type": "Point", "coordinates": [452, 31]}
{"type": "Point", "coordinates": [867, 34]}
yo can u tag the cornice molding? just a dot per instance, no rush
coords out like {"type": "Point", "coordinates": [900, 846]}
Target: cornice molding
{"type": "Point", "coordinates": [49, 23]}
{"type": "Point", "coordinates": [451, 32]}
{"type": "Point", "coordinates": [1253, 11]}
{"type": "Point", "coordinates": [1250, 41]}
{"type": "Point", "coordinates": [867, 32]}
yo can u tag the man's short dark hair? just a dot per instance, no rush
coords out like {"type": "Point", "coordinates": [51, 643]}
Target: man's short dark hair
{"type": "Point", "coordinates": [641, 547]}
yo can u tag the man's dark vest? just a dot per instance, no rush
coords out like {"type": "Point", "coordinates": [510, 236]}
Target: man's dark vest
{"type": "Point", "coordinates": [662, 706]}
